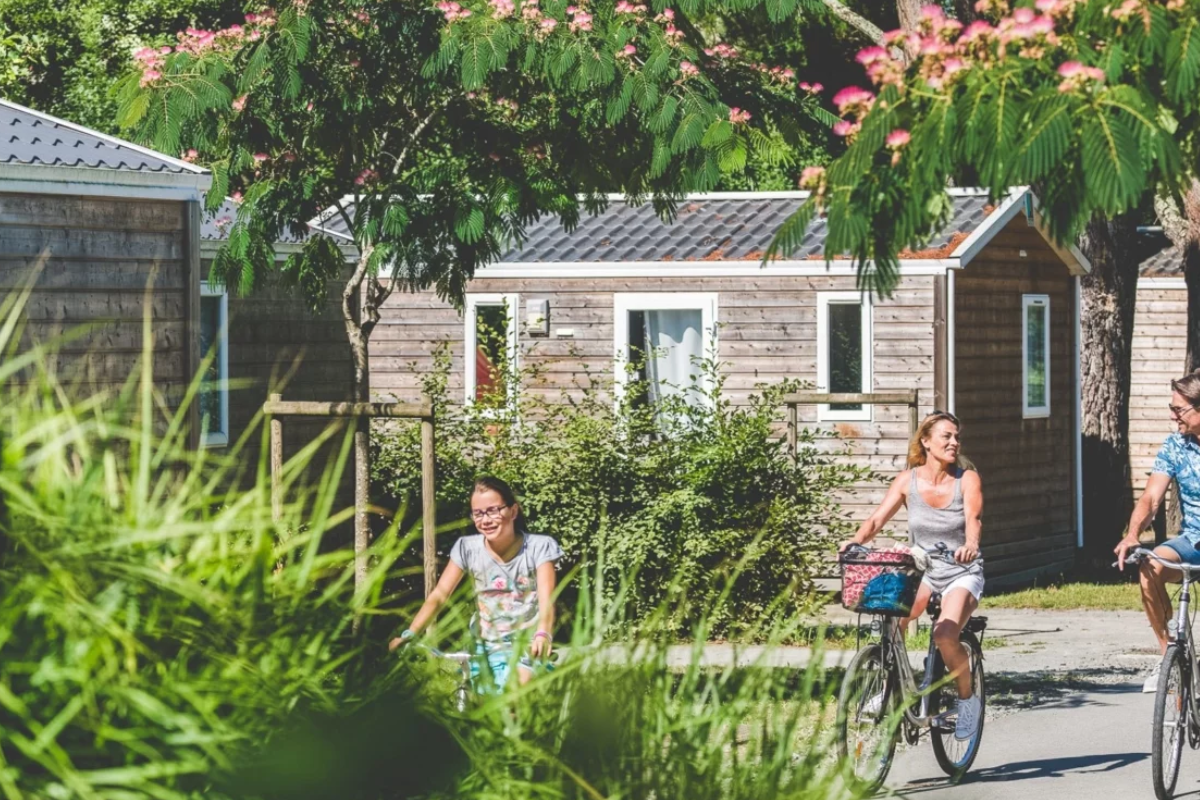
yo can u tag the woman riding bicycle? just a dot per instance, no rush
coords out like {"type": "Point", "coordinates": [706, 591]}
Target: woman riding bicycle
{"type": "Point", "coordinates": [944, 497]}
{"type": "Point", "coordinates": [514, 579]}
{"type": "Point", "coordinates": [1179, 458]}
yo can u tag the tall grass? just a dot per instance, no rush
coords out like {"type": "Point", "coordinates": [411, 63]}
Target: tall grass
{"type": "Point", "coordinates": [162, 636]}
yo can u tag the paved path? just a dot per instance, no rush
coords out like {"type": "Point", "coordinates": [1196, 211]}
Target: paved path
{"type": "Point", "coordinates": [1087, 745]}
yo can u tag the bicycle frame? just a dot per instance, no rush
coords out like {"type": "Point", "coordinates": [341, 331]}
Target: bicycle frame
{"type": "Point", "coordinates": [896, 652]}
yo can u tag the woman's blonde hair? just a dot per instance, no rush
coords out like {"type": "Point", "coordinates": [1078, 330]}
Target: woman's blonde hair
{"type": "Point", "coordinates": [916, 450]}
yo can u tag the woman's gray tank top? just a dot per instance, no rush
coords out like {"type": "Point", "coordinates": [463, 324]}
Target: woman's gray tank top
{"type": "Point", "coordinates": [928, 526]}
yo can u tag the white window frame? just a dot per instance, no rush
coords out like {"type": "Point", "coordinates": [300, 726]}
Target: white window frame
{"type": "Point", "coordinates": [471, 342]}
{"type": "Point", "coordinates": [623, 303]}
{"type": "Point", "coordinates": [220, 438]}
{"type": "Point", "coordinates": [1040, 302]}
{"type": "Point", "coordinates": [824, 300]}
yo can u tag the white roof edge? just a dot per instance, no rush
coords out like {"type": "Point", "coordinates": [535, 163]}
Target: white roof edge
{"type": "Point", "coordinates": [993, 224]}
{"type": "Point", "coordinates": [113, 140]}
{"type": "Point", "coordinates": [782, 262]}
{"type": "Point", "coordinates": [121, 180]}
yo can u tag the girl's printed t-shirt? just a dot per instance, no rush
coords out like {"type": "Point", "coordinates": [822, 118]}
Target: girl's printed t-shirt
{"type": "Point", "coordinates": [506, 593]}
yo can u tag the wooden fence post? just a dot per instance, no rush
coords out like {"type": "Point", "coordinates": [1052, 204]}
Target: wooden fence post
{"type": "Point", "coordinates": [793, 432]}
{"type": "Point", "coordinates": [276, 462]}
{"type": "Point", "coordinates": [428, 505]}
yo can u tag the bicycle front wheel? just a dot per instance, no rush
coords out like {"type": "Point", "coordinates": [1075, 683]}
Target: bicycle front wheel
{"type": "Point", "coordinates": [955, 755]}
{"type": "Point", "coordinates": [867, 723]}
{"type": "Point", "coordinates": [1171, 705]}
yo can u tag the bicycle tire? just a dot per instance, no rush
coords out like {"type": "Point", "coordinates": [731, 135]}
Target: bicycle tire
{"type": "Point", "coordinates": [866, 675]}
{"type": "Point", "coordinates": [1166, 755]}
{"type": "Point", "coordinates": [944, 743]}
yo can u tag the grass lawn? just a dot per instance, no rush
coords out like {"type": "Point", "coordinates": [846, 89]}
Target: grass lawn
{"type": "Point", "coordinates": [1069, 595]}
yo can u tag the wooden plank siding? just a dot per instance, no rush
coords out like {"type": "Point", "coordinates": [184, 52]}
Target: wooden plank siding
{"type": "Point", "coordinates": [1159, 354]}
{"type": "Point", "coordinates": [276, 344]}
{"type": "Point", "coordinates": [1027, 465]}
{"type": "Point", "coordinates": [767, 333]}
{"type": "Point", "coordinates": [101, 265]}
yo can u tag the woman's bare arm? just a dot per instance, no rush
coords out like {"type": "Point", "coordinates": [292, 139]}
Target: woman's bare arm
{"type": "Point", "coordinates": [883, 514]}
{"type": "Point", "coordinates": [972, 489]}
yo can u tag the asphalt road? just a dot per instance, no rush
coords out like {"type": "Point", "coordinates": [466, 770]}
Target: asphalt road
{"type": "Point", "coordinates": [1091, 742]}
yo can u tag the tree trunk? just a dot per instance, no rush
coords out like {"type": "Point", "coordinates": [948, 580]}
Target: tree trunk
{"type": "Point", "coordinates": [1109, 295]}
{"type": "Point", "coordinates": [909, 12]}
{"type": "Point", "coordinates": [359, 336]}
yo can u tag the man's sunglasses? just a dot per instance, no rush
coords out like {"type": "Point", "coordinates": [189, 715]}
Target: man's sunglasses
{"type": "Point", "coordinates": [1178, 411]}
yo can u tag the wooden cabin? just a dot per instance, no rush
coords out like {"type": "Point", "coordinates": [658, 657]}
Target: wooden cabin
{"type": "Point", "coordinates": [984, 323]}
{"type": "Point", "coordinates": [106, 229]}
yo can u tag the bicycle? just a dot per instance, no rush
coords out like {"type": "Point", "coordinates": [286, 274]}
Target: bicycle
{"type": "Point", "coordinates": [1176, 710]}
{"type": "Point", "coordinates": [880, 700]}
{"type": "Point", "coordinates": [471, 668]}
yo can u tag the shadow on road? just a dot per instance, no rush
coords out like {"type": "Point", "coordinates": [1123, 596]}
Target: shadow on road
{"type": "Point", "coordinates": [1016, 691]}
{"type": "Point", "coordinates": [1032, 770]}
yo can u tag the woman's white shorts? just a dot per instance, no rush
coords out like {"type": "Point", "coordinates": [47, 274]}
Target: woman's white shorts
{"type": "Point", "coordinates": [971, 581]}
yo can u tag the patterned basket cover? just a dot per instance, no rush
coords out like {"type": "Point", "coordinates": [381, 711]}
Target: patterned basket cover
{"type": "Point", "coordinates": [887, 578]}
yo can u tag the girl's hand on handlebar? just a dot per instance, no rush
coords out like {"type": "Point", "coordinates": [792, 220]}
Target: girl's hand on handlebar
{"type": "Point", "coordinates": [394, 644]}
{"type": "Point", "coordinates": [848, 544]}
{"type": "Point", "coordinates": [966, 554]}
{"type": "Point", "coordinates": [541, 646]}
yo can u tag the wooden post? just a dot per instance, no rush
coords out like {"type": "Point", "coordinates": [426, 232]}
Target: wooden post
{"type": "Point", "coordinates": [912, 417]}
{"type": "Point", "coordinates": [276, 462]}
{"type": "Point", "coordinates": [428, 505]}
{"type": "Point", "coordinates": [793, 432]}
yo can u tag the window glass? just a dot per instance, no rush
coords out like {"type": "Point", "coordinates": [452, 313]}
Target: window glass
{"type": "Point", "coordinates": [666, 349]}
{"type": "Point", "coordinates": [1037, 321]}
{"type": "Point", "coordinates": [845, 352]}
{"type": "Point", "coordinates": [491, 353]}
{"type": "Point", "coordinates": [211, 389]}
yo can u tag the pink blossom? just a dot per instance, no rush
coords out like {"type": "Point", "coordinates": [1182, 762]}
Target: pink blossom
{"type": "Point", "coordinates": [811, 88]}
{"type": "Point", "coordinates": [502, 9]}
{"type": "Point", "coordinates": [668, 14]}
{"type": "Point", "coordinates": [236, 197]}
{"type": "Point", "coordinates": [869, 55]}
{"type": "Point", "coordinates": [365, 177]}
{"type": "Point", "coordinates": [223, 222]}
{"type": "Point", "coordinates": [812, 178]}
{"type": "Point", "coordinates": [932, 12]}
{"type": "Point", "coordinates": [978, 29]}
{"type": "Point", "coordinates": [721, 50]}
{"type": "Point", "coordinates": [189, 156]}
{"type": "Point", "coordinates": [549, 24]}
{"type": "Point", "coordinates": [1077, 76]}
{"type": "Point", "coordinates": [261, 157]}
{"type": "Point", "coordinates": [1023, 16]}
{"type": "Point", "coordinates": [738, 117]}
{"type": "Point", "coordinates": [898, 138]}
{"type": "Point", "coordinates": [853, 99]}
{"type": "Point", "coordinates": [687, 69]}
{"type": "Point", "coordinates": [673, 33]}
{"type": "Point", "coordinates": [845, 127]}
{"type": "Point", "coordinates": [251, 19]}
{"type": "Point", "coordinates": [582, 21]}
{"type": "Point", "coordinates": [309, 107]}
{"type": "Point", "coordinates": [149, 77]}
{"type": "Point", "coordinates": [239, 103]}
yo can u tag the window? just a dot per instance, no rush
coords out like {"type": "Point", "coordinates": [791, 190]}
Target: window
{"type": "Point", "coordinates": [214, 343]}
{"type": "Point", "coordinates": [844, 352]}
{"type": "Point", "coordinates": [662, 340]}
{"type": "Point", "coordinates": [491, 350]}
{"type": "Point", "coordinates": [1035, 355]}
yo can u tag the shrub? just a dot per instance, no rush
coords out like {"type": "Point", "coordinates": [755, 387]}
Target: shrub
{"type": "Point", "coordinates": [672, 497]}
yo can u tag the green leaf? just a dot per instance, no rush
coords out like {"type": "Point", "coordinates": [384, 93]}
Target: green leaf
{"type": "Point", "coordinates": [719, 132]}
{"type": "Point", "coordinates": [1183, 62]}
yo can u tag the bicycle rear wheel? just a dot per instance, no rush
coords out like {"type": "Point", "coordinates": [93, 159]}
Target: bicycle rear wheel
{"type": "Point", "coordinates": [1171, 707]}
{"type": "Point", "coordinates": [867, 723]}
{"type": "Point", "coordinates": [954, 755]}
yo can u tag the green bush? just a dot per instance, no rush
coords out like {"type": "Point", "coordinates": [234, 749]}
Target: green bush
{"type": "Point", "coordinates": [666, 501]}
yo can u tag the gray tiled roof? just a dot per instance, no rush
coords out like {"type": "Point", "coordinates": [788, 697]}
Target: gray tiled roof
{"type": "Point", "coordinates": [1166, 263]}
{"type": "Point", "coordinates": [32, 138]}
{"type": "Point", "coordinates": [214, 226]}
{"type": "Point", "coordinates": [721, 227]}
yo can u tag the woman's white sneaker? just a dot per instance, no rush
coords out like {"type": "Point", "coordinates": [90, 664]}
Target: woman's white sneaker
{"type": "Point", "coordinates": [1151, 684]}
{"type": "Point", "coordinates": [967, 723]}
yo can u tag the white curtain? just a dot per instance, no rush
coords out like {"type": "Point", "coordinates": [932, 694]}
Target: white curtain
{"type": "Point", "coordinates": [676, 342]}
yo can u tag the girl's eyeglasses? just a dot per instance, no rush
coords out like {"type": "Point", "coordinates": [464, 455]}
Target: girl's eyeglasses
{"type": "Point", "coordinates": [495, 512]}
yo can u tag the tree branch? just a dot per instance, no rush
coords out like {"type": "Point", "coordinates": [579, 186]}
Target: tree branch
{"type": "Point", "coordinates": [417, 131]}
{"type": "Point", "coordinates": [855, 20]}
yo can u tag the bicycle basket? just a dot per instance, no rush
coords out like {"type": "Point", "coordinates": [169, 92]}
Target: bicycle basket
{"type": "Point", "coordinates": [879, 581]}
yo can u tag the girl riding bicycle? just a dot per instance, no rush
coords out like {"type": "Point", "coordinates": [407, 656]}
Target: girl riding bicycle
{"type": "Point", "coordinates": [944, 497]}
{"type": "Point", "coordinates": [514, 577]}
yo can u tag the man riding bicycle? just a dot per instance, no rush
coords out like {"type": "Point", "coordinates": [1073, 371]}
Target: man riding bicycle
{"type": "Point", "coordinates": [1179, 458]}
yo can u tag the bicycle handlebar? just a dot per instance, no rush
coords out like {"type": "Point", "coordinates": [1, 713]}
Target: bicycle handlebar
{"type": "Point", "coordinates": [1140, 554]}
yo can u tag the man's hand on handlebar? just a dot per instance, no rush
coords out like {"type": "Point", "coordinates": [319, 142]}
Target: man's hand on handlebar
{"type": "Point", "coordinates": [1122, 550]}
